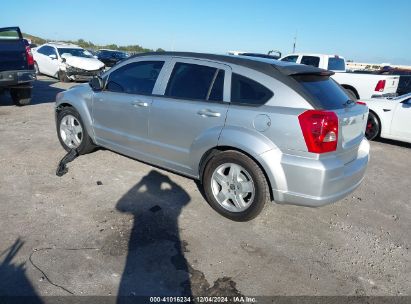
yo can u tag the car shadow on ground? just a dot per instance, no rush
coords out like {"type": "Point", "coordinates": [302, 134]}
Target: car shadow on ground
{"type": "Point", "coordinates": [44, 91]}
{"type": "Point", "coordinates": [394, 142]}
{"type": "Point", "coordinates": [155, 263]}
{"type": "Point", "coordinates": [13, 279]}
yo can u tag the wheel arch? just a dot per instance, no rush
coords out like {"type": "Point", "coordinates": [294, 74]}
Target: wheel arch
{"type": "Point", "coordinates": [209, 154]}
{"type": "Point", "coordinates": [351, 88]}
{"type": "Point", "coordinates": [83, 112]}
{"type": "Point", "coordinates": [379, 121]}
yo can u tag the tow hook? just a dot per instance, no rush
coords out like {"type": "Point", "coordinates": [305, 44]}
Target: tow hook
{"type": "Point", "coordinates": [69, 157]}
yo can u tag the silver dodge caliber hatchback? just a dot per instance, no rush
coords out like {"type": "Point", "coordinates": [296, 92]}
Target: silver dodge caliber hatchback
{"type": "Point", "coordinates": [250, 130]}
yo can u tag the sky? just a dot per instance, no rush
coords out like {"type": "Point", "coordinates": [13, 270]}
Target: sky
{"type": "Point", "coordinates": [375, 31]}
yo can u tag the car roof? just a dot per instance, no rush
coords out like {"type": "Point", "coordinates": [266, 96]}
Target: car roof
{"type": "Point", "coordinates": [271, 67]}
{"type": "Point", "coordinates": [58, 44]}
{"type": "Point", "coordinates": [402, 97]}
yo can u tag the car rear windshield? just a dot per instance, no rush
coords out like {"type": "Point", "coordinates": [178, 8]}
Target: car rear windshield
{"type": "Point", "coordinates": [9, 34]}
{"type": "Point", "coordinates": [336, 64]}
{"type": "Point", "coordinates": [325, 92]}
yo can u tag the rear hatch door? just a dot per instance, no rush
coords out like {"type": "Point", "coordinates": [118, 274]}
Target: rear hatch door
{"type": "Point", "coordinates": [327, 94]}
{"type": "Point", "coordinates": [12, 50]}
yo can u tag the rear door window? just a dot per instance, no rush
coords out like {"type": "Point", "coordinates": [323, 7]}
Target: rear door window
{"type": "Point", "coordinates": [327, 94]}
{"type": "Point", "coordinates": [336, 64]}
{"type": "Point", "coordinates": [193, 81]}
{"type": "Point", "coordinates": [311, 60]}
{"type": "Point", "coordinates": [247, 91]}
{"type": "Point", "coordinates": [46, 50]}
{"type": "Point", "coordinates": [292, 58]}
{"type": "Point", "coordinates": [135, 78]}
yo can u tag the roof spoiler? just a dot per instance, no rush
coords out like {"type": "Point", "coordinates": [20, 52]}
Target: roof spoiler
{"type": "Point", "coordinates": [301, 69]}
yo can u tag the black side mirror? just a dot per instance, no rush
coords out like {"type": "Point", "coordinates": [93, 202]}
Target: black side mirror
{"type": "Point", "coordinates": [96, 83]}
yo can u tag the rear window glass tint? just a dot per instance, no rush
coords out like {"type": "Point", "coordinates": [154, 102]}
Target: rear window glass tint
{"type": "Point", "coordinates": [47, 50]}
{"type": "Point", "coordinates": [290, 59]}
{"type": "Point", "coordinates": [327, 94]}
{"type": "Point", "coordinates": [9, 34]}
{"type": "Point", "coordinates": [247, 91]}
{"type": "Point", "coordinates": [190, 81]}
{"type": "Point", "coordinates": [311, 60]}
{"type": "Point", "coordinates": [216, 93]}
{"type": "Point", "coordinates": [336, 64]}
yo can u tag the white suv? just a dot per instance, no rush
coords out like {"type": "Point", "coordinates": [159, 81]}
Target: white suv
{"type": "Point", "coordinates": [66, 62]}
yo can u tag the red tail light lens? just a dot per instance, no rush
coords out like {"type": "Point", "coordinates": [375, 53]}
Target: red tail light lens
{"type": "Point", "coordinates": [361, 103]}
{"type": "Point", "coordinates": [320, 130]}
{"type": "Point", "coordinates": [29, 55]}
{"type": "Point", "coordinates": [380, 86]}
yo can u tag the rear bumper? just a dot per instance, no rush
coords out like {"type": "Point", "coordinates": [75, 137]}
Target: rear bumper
{"type": "Point", "coordinates": [312, 182]}
{"type": "Point", "coordinates": [17, 78]}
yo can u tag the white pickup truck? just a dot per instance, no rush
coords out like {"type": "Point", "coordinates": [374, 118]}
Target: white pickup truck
{"type": "Point", "coordinates": [357, 85]}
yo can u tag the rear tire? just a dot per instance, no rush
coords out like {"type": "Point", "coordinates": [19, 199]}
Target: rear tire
{"type": "Point", "coordinates": [224, 191]}
{"type": "Point", "coordinates": [65, 129]}
{"type": "Point", "coordinates": [63, 76]}
{"type": "Point", "coordinates": [351, 94]}
{"type": "Point", "coordinates": [373, 129]}
{"type": "Point", "coordinates": [21, 96]}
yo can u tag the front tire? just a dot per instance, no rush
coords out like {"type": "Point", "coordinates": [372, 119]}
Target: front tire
{"type": "Point", "coordinates": [63, 76]}
{"type": "Point", "coordinates": [21, 96]}
{"type": "Point", "coordinates": [235, 186]}
{"type": "Point", "coordinates": [373, 128]}
{"type": "Point", "coordinates": [72, 133]}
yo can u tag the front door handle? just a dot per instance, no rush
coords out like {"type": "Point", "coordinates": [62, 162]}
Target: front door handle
{"type": "Point", "coordinates": [208, 113]}
{"type": "Point", "coordinates": [139, 104]}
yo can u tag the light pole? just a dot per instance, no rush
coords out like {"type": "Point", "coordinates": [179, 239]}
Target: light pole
{"type": "Point", "coordinates": [295, 41]}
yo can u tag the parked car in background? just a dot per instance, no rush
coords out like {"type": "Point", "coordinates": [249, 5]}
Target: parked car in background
{"type": "Point", "coordinates": [110, 57]}
{"type": "Point", "coordinates": [404, 85]}
{"type": "Point", "coordinates": [16, 66]}
{"type": "Point", "coordinates": [66, 62]}
{"type": "Point", "coordinates": [359, 86]}
{"type": "Point", "coordinates": [389, 118]}
{"type": "Point", "coordinates": [249, 129]}
{"type": "Point", "coordinates": [260, 55]}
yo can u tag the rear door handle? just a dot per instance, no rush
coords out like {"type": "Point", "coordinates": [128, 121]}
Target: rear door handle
{"type": "Point", "coordinates": [140, 104]}
{"type": "Point", "coordinates": [208, 113]}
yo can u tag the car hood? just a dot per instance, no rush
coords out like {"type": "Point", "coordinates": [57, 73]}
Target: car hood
{"type": "Point", "coordinates": [89, 64]}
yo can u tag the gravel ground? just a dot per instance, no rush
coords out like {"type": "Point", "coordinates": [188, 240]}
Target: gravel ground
{"type": "Point", "coordinates": [113, 226]}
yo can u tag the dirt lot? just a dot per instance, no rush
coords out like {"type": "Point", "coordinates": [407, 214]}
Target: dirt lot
{"type": "Point", "coordinates": [116, 226]}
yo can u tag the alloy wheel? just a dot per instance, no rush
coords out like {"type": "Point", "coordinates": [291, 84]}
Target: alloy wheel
{"type": "Point", "coordinates": [71, 131]}
{"type": "Point", "coordinates": [233, 187]}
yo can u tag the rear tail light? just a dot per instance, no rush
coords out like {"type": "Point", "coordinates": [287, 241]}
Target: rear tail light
{"type": "Point", "coordinates": [361, 103]}
{"type": "Point", "coordinates": [29, 56]}
{"type": "Point", "coordinates": [380, 86]}
{"type": "Point", "coordinates": [320, 130]}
